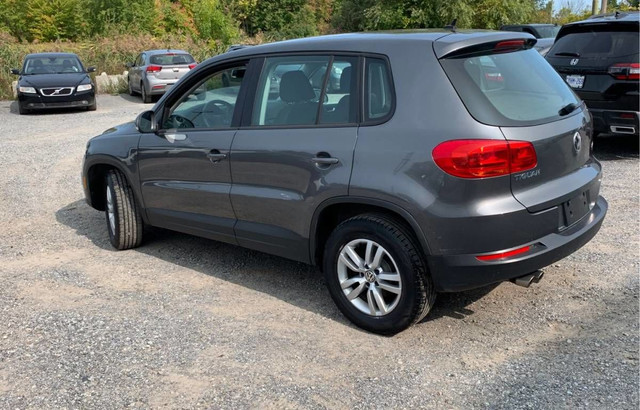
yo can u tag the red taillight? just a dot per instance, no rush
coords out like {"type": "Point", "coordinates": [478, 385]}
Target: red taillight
{"type": "Point", "coordinates": [501, 255]}
{"type": "Point", "coordinates": [507, 46]}
{"type": "Point", "coordinates": [625, 71]}
{"type": "Point", "coordinates": [627, 116]}
{"type": "Point", "coordinates": [192, 66]}
{"type": "Point", "coordinates": [484, 158]}
{"type": "Point", "coordinates": [153, 68]}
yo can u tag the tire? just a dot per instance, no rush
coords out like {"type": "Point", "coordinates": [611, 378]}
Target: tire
{"type": "Point", "coordinates": [413, 292]}
{"type": "Point", "coordinates": [125, 230]}
{"type": "Point", "coordinates": [22, 110]}
{"type": "Point", "coordinates": [131, 92]}
{"type": "Point", "coordinates": [93, 107]}
{"type": "Point", "coordinates": [143, 93]}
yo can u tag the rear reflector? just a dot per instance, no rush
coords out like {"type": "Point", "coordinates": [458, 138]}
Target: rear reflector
{"type": "Point", "coordinates": [192, 66]}
{"type": "Point", "coordinates": [508, 46]}
{"type": "Point", "coordinates": [627, 116]}
{"type": "Point", "coordinates": [625, 71]}
{"type": "Point", "coordinates": [501, 255]}
{"type": "Point", "coordinates": [153, 68]}
{"type": "Point", "coordinates": [484, 158]}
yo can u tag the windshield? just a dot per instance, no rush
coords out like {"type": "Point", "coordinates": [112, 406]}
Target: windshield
{"type": "Point", "coordinates": [509, 89]}
{"type": "Point", "coordinates": [597, 44]}
{"type": "Point", "coordinates": [171, 59]}
{"type": "Point", "coordinates": [52, 65]}
{"type": "Point", "coordinates": [548, 31]}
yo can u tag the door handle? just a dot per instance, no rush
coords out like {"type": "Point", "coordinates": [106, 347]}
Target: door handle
{"type": "Point", "coordinates": [171, 137]}
{"type": "Point", "coordinates": [216, 156]}
{"type": "Point", "coordinates": [325, 160]}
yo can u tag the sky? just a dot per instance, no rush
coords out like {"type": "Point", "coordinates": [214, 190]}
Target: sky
{"type": "Point", "coordinates": [573, 4]}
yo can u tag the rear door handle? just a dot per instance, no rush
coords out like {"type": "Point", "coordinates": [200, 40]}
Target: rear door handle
{"type": "Point", "coordinates": [325, 161]}
{"type": "Point", "coordinates": [216, 156]}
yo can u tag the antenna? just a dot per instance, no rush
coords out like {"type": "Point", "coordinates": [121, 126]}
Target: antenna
{"type": "Point", "coordinates": [452, 26]}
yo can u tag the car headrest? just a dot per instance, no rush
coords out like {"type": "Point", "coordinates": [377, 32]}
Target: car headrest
{"type": "Point", "coordinates": [345, 81]}
{"type": "Point", "coordinates": [295, 87]}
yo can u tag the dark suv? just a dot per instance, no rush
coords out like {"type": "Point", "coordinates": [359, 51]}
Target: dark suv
{"type": "Point", "coordinates": [438, 162]}
{"type": "Point", "coordinates": [599, 59]}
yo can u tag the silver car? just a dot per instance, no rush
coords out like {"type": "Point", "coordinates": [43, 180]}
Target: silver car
{"type": "Point", "coordinates": [155, 71]}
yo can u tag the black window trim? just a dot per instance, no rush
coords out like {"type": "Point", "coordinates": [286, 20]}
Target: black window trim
{"type": "Point", "coordinates": [363, 109]}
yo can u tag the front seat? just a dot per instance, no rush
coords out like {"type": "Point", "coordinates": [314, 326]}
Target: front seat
{"type": "Point", "coordinates": [296, 91]}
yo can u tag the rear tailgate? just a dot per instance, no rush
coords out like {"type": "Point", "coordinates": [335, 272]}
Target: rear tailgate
{"type": "Point", "coordinates": [584, 54]}
{"type": "Point", "coordinates": [507, 84]}
{"type": "Point", "coordinates": [172, 72]}
{"type": "Point", "coordinates": [566, 174]}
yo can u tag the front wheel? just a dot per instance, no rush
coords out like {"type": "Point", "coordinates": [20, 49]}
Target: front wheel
{"type": "Point", "coordinates": [124, 222]}
{"type": "Point", "coordinates": [376, 274]}
{"type": "Point", "coordinates": [22, 110]}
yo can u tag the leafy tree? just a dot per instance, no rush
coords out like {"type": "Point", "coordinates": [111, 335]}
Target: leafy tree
{"type": "Point", "coordinates": [50, 20]}
{"type": "Point", "coordinates": [213, 23]}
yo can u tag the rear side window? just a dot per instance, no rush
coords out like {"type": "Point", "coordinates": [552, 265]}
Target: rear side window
{"type": "Point", "coordinates": [171, 59]}
{"type": "Point", "coordinates": [509, 89]}
{"type": "Point", "coordinates": [597, 44]}
{"type": "Point", "coordinates": [379, 99]}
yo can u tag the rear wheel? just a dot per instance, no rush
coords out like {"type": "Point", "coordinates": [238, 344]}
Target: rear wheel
{"type": "Point", "coordinates": [143, 93]}
{"type": "Point", "coordinates": [124, 222]}
{"type": "Point", "coordinates": [131, 92]}
{"type": "Point", "coordinates": [376, 274]}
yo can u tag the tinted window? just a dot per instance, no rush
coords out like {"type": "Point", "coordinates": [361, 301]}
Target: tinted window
{"type": "Point", "coordinates": [598, 44]}
{"type": "Point", "coordinates": [210, 104]}
{"type": "Point", "coordinates": [517, 88]}
{"type": "Point", "coordinates": [378, 90]}
{"type": "Point", "coordinates": [548, 31]}
{"type": "Point", "coordinates": [289, 90]}
{"type": "Point", "coordinates": [171, 59]}
{"type": "Point", "coordinates": [52, 65]}
{"type": "Point", "coordinates": [340, 93]}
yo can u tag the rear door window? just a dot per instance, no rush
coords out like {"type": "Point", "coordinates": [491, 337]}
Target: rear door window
{"type": "Point", "coordinates": [509, 89]}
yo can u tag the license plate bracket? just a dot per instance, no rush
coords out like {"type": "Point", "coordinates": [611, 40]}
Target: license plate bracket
{"type": "Point", "coordinates": [575, 81]}
{"type": "Point", "coordinates": [575, 208]}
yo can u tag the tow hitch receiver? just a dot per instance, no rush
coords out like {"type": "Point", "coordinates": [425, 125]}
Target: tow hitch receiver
{"type": "Point", "coordinates": [526, 280]}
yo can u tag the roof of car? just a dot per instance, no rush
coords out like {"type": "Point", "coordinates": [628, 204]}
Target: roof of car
{"type": "Point", "coordinates": [379, 40]}
{"type": "Point", "coordinates": [165, 51]}
{"type": "Point", "coordinates": [50, 55]}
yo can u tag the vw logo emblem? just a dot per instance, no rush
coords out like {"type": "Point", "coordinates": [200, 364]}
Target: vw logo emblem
{"type": "Point", "coordinates": [577, 142]}
{"type": "Point", "coordinates": [574, 61]}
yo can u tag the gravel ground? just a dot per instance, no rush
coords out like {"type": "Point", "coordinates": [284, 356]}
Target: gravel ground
{"type": "Point", "coordinates": [184, 322]}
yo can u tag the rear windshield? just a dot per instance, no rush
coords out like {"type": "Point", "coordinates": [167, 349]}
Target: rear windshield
{"type": "Point", "coordinates": [171, 59]}
{"type": "Point", "coordinates": [597, 44]}
{"type": "Point", "coordinates": [509, 89]}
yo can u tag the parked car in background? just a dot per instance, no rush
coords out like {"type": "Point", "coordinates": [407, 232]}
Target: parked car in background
{"type": "Point", "coordinates": [599, 59]}
{"type": "Point", "coordinates": [440, 162]}
{"type": "Point", "coordinates": [155, 71]}
{"type": "Point", "coordinates": [54, 80]}
{"type": "Point", "coordinates": [545, 33]}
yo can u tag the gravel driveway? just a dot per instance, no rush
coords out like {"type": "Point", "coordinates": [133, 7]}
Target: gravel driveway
{"type": "Point", "coordinates": [184, 322]}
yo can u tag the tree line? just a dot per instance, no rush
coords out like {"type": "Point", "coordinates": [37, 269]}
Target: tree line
{"type": "Point", "coordinates": [227, 21]}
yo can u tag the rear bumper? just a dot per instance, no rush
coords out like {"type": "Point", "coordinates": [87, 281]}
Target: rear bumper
{"type": "Point", "coordinates": [615, 121]}
{"type": "Point", "coordinates": [452, 273]}
{"type": "Point", "coordinates": [156, 86]}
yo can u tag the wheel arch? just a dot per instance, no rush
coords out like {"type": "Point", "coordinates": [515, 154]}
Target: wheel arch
{"type": "Point", "coordinates": [333, 211]}
{"type": "Point", "coordinates": [96, 172]}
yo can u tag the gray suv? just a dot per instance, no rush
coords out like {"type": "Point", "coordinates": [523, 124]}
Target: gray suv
{"type": "Point", "coordinates": [438, 162]}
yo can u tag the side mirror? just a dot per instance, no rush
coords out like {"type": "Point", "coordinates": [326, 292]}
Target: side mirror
{"type": "Point", "coordinates": [15, 71]}
{"type": "Point", "coordinates": [91, 70]}
{"type": "Point", "coordinates": [146, 122]}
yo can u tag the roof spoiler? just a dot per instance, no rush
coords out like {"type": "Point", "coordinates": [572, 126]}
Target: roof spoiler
{"type": "Point", "coordinates": [458, 44]}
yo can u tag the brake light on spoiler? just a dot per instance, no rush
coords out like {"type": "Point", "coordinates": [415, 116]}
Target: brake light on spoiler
{"type": "Point", "coordinates": [475, 159]}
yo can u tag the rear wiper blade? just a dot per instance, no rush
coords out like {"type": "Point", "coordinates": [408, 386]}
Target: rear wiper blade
{"type": "Point", "coordinates": [567, 109]}
{"type": "Point", "coordinates": [567, 54]}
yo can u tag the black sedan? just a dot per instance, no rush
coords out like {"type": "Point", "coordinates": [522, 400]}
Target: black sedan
{"type": "Point", "coordinates": [54, 80]}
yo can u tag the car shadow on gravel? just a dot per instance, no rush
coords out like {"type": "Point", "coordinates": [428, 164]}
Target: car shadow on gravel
{"type": "Point", "coordinates": [296, 283]}
{"type": "Point", "coordinates": [611, 148]}
{"type": "Point", "coordinates": [13, 109]}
